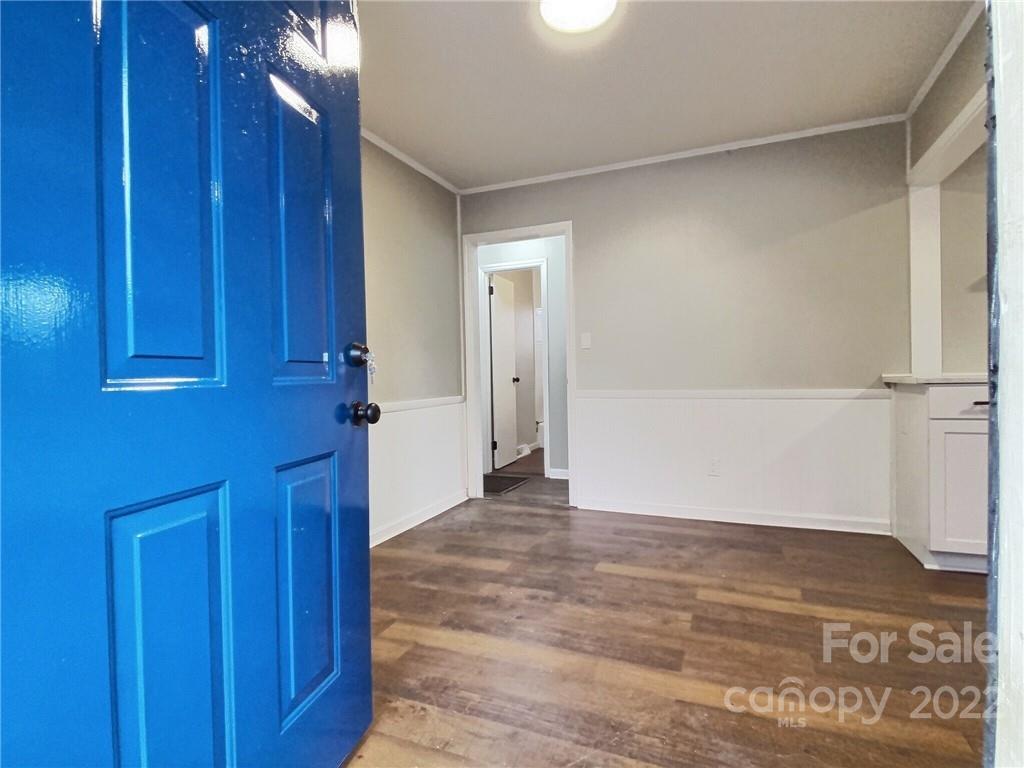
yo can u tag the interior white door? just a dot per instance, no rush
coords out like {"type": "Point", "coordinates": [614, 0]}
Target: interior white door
{"type": "Point", "coordinates": [503, 370]}
{"type": "Point", "coordinates": [540, 357]}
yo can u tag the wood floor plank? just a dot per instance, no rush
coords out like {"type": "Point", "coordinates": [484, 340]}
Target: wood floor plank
{"type": "Point", "coordinates": [694, 579]}
{"type": "Point", "coordinates": [433, 558]}
{"type": "Point", "coordinates": [617, 675]}
{"type": "Point", "coordinates": [959, 601]}
{"type": "Point", "coordinates": [799, 608]}
{"type": "Point", "coordinates": [385, 750]}
{"type": "Point", "coordinates": [640, 727]}
{"type": "Point", "coordinates": [386, 650]}
{"type": "Point", "coordinates": [517, 631]}
{"type": "Point", "coordinates": [487, 742]}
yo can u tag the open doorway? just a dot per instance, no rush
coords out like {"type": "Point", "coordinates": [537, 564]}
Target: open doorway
{"type": "Point", "coordinates": [517, 373]}
{"type": "Point", "coordinates": [519, 358]}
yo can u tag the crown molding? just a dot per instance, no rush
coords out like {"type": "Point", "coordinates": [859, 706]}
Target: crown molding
{"type": "Point", "coordinates": [745, 144]}
{"type": "Point", "coordinates": [957, 38]}
{"type": "Point", "coordinates": [415, 165]}
{"type": "Point", "coordinates": [654, 160]}
{"type": "Point", "coordinates": [947, 53]}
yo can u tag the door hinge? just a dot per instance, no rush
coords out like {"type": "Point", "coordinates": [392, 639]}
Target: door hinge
{"type": "Point", "coordinates": [490, 290]}
{"type": "Point", "coordinates": [494, 445]}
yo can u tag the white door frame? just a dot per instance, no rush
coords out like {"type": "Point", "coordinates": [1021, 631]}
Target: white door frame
{"type": "Point", "coordinates": [477, 384]}
{"type": "Point", "coordinates": [1006, 748]}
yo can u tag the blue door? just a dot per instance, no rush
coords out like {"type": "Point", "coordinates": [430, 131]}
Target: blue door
{"type": "Point", "coordinates": [184, 488]}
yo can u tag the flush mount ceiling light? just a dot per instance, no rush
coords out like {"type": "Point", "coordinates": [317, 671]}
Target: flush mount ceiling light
{"type": "Point", "coordinates": [575, 16]}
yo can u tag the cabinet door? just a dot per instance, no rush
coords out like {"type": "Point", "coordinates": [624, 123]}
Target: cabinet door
{"type": "Point", "coordinates": [959, 486]}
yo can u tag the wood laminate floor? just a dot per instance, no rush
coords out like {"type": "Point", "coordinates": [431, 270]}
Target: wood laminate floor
{"type": "Point", "coordinates": [530, 464]}
{"type": "Point", "coordinates": [515, 631]}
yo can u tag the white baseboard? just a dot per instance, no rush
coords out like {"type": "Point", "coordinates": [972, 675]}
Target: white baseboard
{"type": "Point", "coordinates": [385, 532]}
{"type": "Point", "coordinates": [558, 474]}
{"type": "Point", "coordinates": [944, 561]}
{"type": "Point", "coordinates": [778, 519]}
{"type": "Point", "coordinates": [534, 445]}
{"type": "Point", "coordinates": [523, 450]}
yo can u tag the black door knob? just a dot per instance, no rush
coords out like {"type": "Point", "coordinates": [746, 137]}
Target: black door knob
{"type": "Point", "coordinates": [357, 354]}
{"type": "Point", "coordinates": [515, 379]}
{"type": "Point", "coordinates": [370, 413]}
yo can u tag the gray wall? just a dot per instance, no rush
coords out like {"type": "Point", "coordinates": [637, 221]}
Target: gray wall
{"type": "Point", "coordinates": [964, 289]}
{"type": "Point", "coordinates": [959, 80]}
{"type": "Point", "coordinates": [553, 250]}
{"type": "Point", "coordinates": [782, 266]}
{"type": "Point", "coordinates": [412, 281]}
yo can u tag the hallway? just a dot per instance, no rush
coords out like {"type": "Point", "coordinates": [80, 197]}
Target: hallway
{"type": "Point", "coordinates": [517, 631]}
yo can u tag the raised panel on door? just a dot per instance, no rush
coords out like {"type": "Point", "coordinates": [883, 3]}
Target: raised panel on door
{"type": "Point", "coordinates": [303, 289]}
{"type": "Point", "coordinates": [307, 572]}
{"type": "Point", "coordinates": [958, 480]}
{"type": "Point", "coordinates": [307, 18]}
{"type": "Point", "coordinates": [167, 579]}
{"type": "Point", "coordinates": [161, 186]}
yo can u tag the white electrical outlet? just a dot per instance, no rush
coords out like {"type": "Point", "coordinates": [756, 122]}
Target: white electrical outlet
{"type": "Point", "coordinates": [716, 468]}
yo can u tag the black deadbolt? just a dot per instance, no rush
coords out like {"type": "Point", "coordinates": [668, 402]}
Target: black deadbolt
{"type": "Point", "coordinates": [357, 354]}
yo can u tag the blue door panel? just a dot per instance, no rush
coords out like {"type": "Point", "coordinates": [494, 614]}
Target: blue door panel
{"type": "Point", "coordinates": [161, 184]}
{"type": "Point", "coordinates": [307, 17]}
{"type": "Point", "coordinates": [164, 454]}
{"type": "Point", "coordinates": [168, 629]}
{"type": "Point", "coordinates": [306, 566]}
{"type": "Point", "coordinates": [301, 186]}
{"type": "Point", "coordinates": [49, 308]}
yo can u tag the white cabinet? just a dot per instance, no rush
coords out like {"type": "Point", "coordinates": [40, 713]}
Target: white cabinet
{"type": "Point", "coordinates": [940, 472]}
{"type": "Point", "coordinates": [958, 486]}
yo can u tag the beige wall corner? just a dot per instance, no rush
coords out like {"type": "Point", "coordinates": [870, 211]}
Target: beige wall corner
{"type": "Point", "coordinates": [964, 268]}
{"type": "Point", "coordinates": [412, 281]}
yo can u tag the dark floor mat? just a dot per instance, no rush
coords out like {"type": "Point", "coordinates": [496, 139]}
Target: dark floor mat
{"type": "Point", "coordinates": [502, 483]}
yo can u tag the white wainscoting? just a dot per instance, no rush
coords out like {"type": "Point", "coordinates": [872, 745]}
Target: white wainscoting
{"type": "Point", "coordinates": [798, 458]}
{"type": "Point", "coordinates": [417, 463]}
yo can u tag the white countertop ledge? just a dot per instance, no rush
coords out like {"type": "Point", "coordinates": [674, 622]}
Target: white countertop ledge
{"type": "Point", "coordinates": [892, 379]}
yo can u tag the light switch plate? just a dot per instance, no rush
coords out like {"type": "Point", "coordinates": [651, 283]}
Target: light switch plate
{"type": "Point", "coordinates": [584, 341]}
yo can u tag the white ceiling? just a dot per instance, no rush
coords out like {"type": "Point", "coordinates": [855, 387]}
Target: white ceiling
{"type": "Point", "coordinates": [482, 92]}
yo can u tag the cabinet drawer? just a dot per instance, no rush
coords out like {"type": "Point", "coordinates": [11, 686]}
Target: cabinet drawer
{"type": "Point", "coordinates": [958, 402]}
